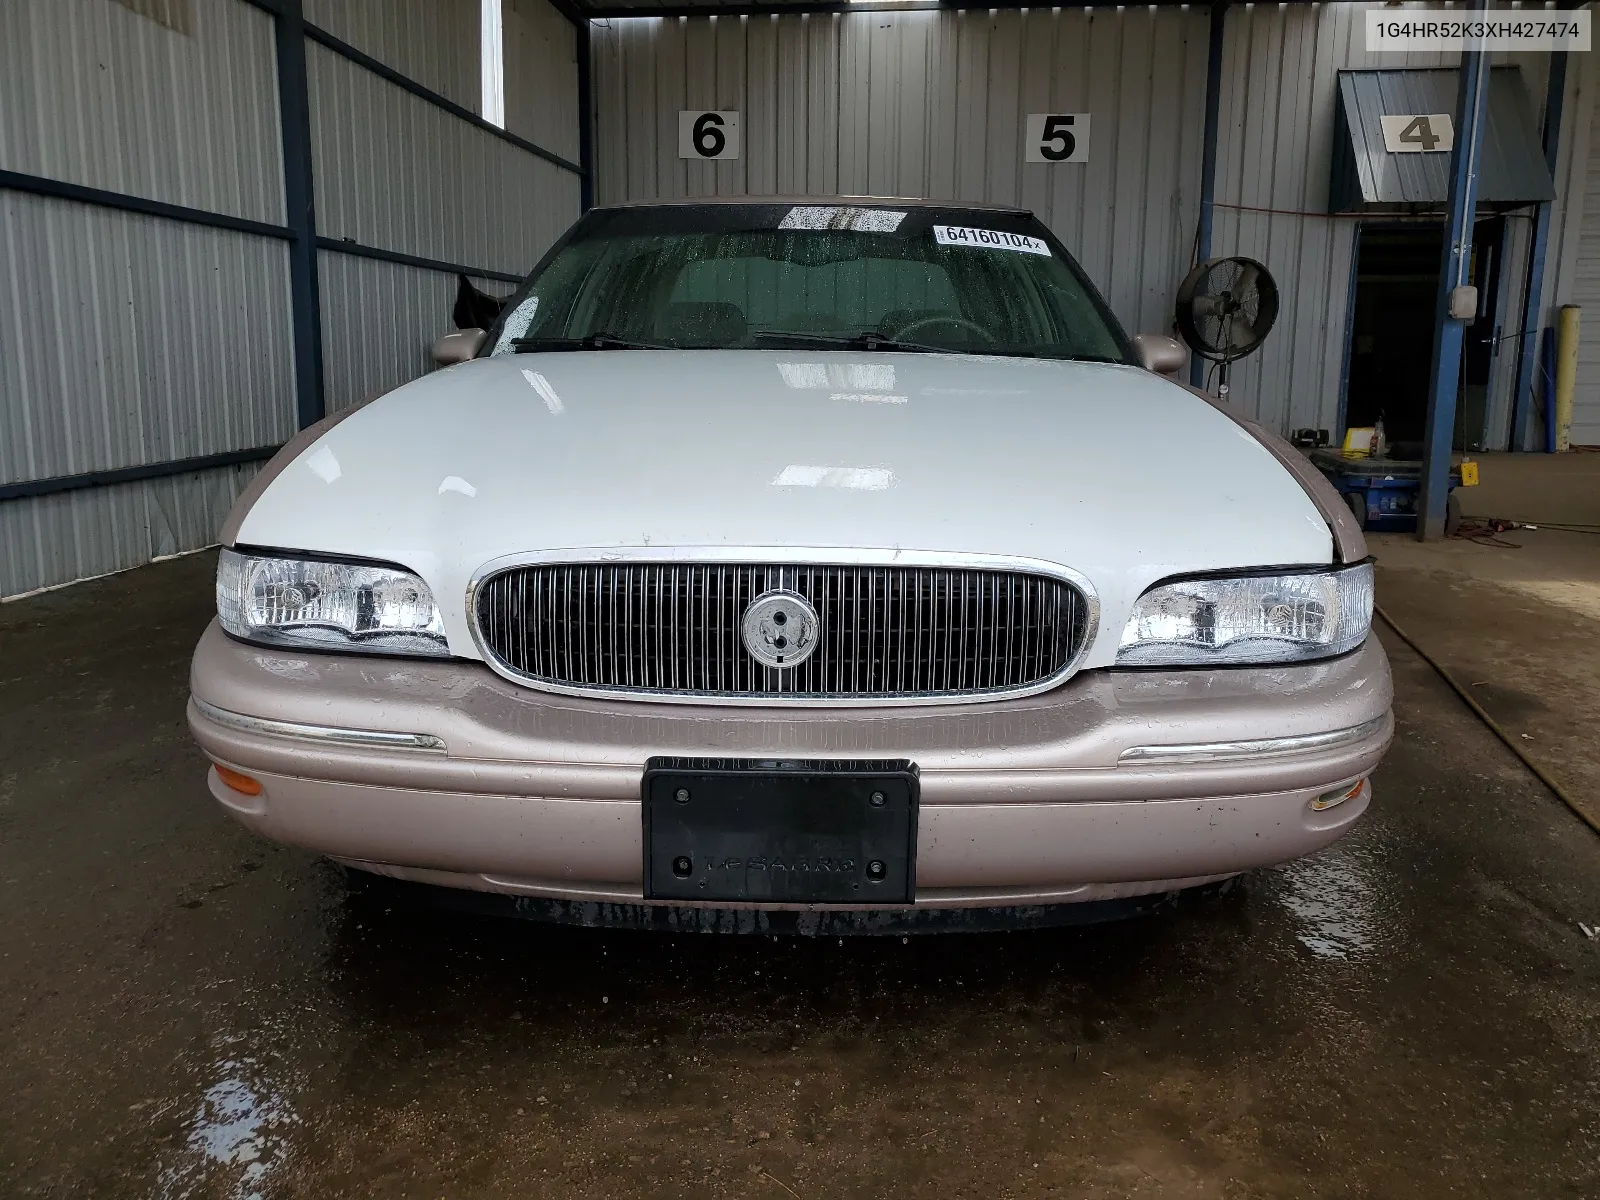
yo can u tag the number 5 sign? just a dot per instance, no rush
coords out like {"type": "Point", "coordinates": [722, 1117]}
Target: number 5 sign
{"type": "Point", "coordinates": [1057, 138]}
{"type": "Point", "coordinates": [708, 135]}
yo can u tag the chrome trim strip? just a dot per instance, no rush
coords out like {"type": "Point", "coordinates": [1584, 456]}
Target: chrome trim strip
{"type": "Point", "coordinates": [319, 733]}
{"type": "Point", "coordinates": [1205, 752]}
{"type": "Point", "coordinates": [828, 556]}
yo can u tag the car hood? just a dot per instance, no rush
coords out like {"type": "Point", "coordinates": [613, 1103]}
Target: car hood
{"type": "Point", "coordinates": [1106, 469]}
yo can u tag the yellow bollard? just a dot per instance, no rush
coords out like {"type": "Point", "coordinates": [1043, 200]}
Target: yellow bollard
{"type": "Point", "coordinates": [1566, 373]}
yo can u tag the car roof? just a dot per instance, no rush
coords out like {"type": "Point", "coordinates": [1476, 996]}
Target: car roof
{"type": "Point", "coordinates": [906, 201]}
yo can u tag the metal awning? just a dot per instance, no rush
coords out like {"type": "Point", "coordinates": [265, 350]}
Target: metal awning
{"type": "Point", "coordinates": [1368, 177]}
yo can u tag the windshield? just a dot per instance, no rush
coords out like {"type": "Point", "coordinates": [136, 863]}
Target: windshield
{"type": "Point", "coordinates": [843, 277]}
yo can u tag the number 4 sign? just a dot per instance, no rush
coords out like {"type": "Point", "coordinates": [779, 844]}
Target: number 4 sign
{"type": "Point", "coordinates": [1412, 134]}
{"type": "Point", "coordinates": [1057, 138]}
{"type": "Point", "coordinates": [708, 135]}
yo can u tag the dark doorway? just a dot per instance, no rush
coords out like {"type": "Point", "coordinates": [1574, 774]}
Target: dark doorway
{"type": "Point", "coordinates": [1482, 343]}
{"type": "Point", "coordinates": [1391, 332]}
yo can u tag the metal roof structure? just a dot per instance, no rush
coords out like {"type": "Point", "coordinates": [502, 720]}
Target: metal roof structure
{"type": "Point", "coordinates": [592, 9]}
{"type": "Point", "coordinates": [814, 201]}
{"type": "Point", "coordinates": [1368, 178]}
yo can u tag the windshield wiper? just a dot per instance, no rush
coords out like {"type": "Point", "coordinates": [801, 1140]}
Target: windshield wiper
{"type": "Point", "coordinates": [869, 340]}
{"type": "Point", "coordinates": [589, 341]}
{"type": "Point", "coordinates": [872, 340]}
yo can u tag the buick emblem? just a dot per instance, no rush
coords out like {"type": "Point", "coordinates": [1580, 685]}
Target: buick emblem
{"type": "Point", "coordinates": [780, 629]}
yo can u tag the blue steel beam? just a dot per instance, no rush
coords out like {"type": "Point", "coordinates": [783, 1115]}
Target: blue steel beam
{"type": "Point", "coordinates": [40, 185]}
{"type": "Point", "coordinates": [57, 484]}
{"type": "Point", "coordinates": [60, 189]}
{"type": "Point", "coordinates": [294, 108]}
{"type": "Point", "coordinates": [1208, 159]}
{"type": "Point", "coordinates": [1454, 265]}
{"type": "Point", "coordinates": [1532, 308]}
{"type": "Point", "coordinates": [585, 119]}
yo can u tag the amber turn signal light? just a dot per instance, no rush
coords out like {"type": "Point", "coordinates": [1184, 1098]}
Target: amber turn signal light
{"type": "Point", "coordinates": [239, 781]}
{"type": "Point", "coordinates": [1328, 799]}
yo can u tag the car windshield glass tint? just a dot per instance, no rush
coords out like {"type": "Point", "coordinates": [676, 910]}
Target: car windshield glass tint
{"type": "Point", "coordinates": [815, 277]}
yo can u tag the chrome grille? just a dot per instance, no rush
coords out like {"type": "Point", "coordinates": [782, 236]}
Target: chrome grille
{"type": "Point", "coordinates": [885, 631]}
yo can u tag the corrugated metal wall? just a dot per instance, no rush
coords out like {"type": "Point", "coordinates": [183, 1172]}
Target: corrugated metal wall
{"type": "Point", "coordinates": [379, 320]}
{"type": "Point", "coordinates": [1575, 242]}
{"type": "Point", "coordinates": [55, 539]}
{"type": "Point", "coordinates": [434, 42]}
{"type": "Point", "coordinates": [930, 104]}
{"type": "Point", "coordinates": [93, 93]}
{"type": "Point", "coordinates": [396, 172]}
{"type": "Point", "coordinates": [135, 339]}
{"type": "Point", "coordinates": [130, 340]}
{"type": "Point", "coordinates": [1561, 279]}
{"type": "Point", "coordinates": [541, 75]}
{"type": "Point", "coordinates": [109, 350]}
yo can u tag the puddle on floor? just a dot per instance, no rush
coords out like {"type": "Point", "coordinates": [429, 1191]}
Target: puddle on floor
{"type": "Point", "coordinates": [1335, 900]}
{"type": "Point", "coordinates": [237, 1134]}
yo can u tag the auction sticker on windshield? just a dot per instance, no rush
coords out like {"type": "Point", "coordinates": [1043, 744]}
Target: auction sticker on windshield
{"type": "Point", "coordinates": [990, 239]}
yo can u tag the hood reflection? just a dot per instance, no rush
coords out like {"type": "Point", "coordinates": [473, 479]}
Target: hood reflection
{"type": "Point", "coordinates": [540, 384]}
{"type": "Point", "coordinates": [841, 377]}
{"type": "Point", "coordinates": [325, 465]}
{"type": "Point", "coordinates": [865, 479]}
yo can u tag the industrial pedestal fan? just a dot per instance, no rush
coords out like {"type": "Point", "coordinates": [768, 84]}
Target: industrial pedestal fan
{"type": "Point", "coordinates": [1226, 306]}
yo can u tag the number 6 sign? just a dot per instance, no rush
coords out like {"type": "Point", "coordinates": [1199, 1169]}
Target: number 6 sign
{"type": "Point", "coordinates": [708, 135]}
{"type": "Point", "coordinates": [1057, 138]}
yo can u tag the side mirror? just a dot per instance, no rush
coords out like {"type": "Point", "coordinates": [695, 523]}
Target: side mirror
{"type": "Point", "coordinates": [458, 347]}
{"type": "Point", "coordinates": [1160, 354]}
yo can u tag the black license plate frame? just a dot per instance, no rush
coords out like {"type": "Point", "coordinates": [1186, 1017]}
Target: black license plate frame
{"type": "Point", "coordinates": [781, 831]}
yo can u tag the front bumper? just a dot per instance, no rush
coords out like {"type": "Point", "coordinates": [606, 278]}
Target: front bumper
{"type": "Point", "coordinates": [1023, 801]}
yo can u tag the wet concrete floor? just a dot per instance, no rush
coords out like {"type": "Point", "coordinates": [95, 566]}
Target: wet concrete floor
{"type": "Point", "coordinates": [188, 1011]}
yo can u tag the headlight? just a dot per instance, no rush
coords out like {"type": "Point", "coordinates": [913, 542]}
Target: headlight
{"type": "Point", "coordinates": [327, 605]}
{"type": "Point", "coordinates": [1249, 619]}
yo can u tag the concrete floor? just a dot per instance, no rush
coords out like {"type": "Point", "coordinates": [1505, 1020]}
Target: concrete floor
{"type": "Point", "coordinates": [187, 1011]}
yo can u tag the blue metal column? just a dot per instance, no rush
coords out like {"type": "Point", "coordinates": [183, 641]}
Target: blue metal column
{"type": "Point", "coordinates": [1208, 158]}
{"type": "Point", "coordinates": [294, 107]}
{"type": "Point", "coordinates": [1532, 312]}
{"type": "Point", "coordinates": [1453, 271]}
{"type": "Point", "coordinates": [585, 117]}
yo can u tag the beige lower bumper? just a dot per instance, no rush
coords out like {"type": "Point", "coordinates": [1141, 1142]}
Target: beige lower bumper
{"type": "Point", "coordinates": [966, 854]}
{"type": "Point", "coordinates": [1027, 801]}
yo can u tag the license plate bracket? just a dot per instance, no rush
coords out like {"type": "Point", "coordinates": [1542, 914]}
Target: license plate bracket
{"type": "Point", "coordinates": [780, 831]}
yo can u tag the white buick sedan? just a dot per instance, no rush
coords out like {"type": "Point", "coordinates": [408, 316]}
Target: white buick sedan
{"type": "Point", "coordinates": [796, 565]}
